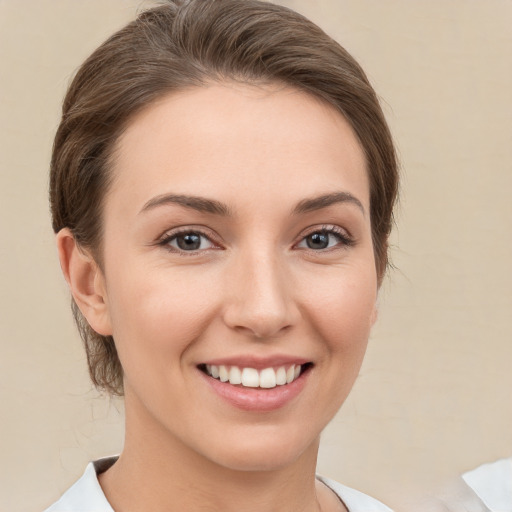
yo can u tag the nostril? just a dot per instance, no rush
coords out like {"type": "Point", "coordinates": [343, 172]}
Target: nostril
{"type": "Point", "coordinates": [260, 311]}
{"type": "Point", "coordinates": [262, 329]}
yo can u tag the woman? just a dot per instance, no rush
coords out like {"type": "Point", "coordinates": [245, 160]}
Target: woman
{"type": "Point", "coordinates": [222, 186]}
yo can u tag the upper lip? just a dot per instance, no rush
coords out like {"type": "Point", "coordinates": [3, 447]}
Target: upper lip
{"type": "Point", "coordinates": [257, 362]}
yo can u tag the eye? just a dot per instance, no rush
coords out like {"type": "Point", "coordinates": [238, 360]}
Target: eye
{"type": "Point", "coordinates": [325, 238]}
{"type": "Point", "coordinates": [188, 241]}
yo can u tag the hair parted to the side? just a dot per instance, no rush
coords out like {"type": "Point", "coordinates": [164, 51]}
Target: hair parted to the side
{"type": "Point", "coordinates": [189, 43]}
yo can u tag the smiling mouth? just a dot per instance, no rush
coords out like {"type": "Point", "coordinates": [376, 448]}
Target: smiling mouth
{"type": "Point", "coordinates": [266, 378]}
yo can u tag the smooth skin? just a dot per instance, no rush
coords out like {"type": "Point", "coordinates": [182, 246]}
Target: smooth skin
{"type": "Point", "coordinates": [216, 245]}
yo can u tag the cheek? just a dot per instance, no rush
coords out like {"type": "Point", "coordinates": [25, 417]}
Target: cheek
{"type": "Point", "coordinates": [343, 310]}
{"type": "Point", "coordinates": [157, 316]}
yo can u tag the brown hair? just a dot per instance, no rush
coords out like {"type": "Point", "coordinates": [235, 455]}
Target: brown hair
{"type": "Point", "coordinates": [185, 43]}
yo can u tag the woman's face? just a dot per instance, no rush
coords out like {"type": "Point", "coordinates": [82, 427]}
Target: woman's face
{"type": "Point", "coordinates": [237, 243]}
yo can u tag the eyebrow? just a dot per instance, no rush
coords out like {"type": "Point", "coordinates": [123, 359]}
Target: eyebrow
{"type": "Point", "coordinates": [204, 205]}
{"type": "Point", "coordinates": [200, 204]}
{"type": "Point", "coordinates": [317, 203]}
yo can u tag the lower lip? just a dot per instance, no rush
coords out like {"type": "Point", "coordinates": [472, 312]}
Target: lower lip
{"type": "Point", "coordinates": [257, 399]}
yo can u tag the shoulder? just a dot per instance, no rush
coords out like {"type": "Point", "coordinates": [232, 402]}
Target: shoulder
{"type": "Point", "coordinates": [86, 494]}
{"type": "Point", "coordinates": [492, 483]}
{"type": "Point", "coordinates": [355, 501]}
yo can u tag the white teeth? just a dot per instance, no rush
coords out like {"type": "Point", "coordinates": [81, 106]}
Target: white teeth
{"type": "Point", "coordinates": [235, 375]}
{"type": "Point", "coordinates": [290, 374]}
{"type": "Point", "coordinates": [268, 378]}
{"type": "Point", "coordinates": [252, 378]}
{"type": "Point", "coordinates": [223, 374]}
{"type": "Point", "coordinates": [281, 376]}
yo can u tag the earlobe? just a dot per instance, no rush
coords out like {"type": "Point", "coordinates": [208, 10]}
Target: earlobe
{"type": "Point", "coordinates": [86, 282]}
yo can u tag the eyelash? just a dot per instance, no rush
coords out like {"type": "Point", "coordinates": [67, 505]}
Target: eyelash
{"type": "Point", "coordinates": [167, 238]}
{"type": "Point", "coordinates": [344, 239]}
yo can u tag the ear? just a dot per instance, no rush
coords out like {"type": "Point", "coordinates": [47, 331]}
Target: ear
{"type": "Point", "coordinates": [86, 282]}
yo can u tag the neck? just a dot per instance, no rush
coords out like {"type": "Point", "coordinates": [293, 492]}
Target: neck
{"type": "Point", "coordinates": [158, 472]}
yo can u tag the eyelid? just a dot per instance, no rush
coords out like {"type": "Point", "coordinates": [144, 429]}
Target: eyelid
{"type": "Point", "coordinates": [164, 239]}
{"type": "Point", "coordinates": [347, 240]}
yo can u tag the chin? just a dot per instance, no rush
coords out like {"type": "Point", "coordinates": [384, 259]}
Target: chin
{"type": "Point", "coordinates": [264, 451]}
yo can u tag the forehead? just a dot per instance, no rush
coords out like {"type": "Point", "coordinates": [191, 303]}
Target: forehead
{"type": "Point", "coordinates": [212, 139]}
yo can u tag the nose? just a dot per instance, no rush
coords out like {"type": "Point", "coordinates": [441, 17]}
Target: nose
{"type": "Point", "coordinates": [260, 297]}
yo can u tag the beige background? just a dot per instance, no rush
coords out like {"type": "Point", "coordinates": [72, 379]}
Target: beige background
{"type": "Point", "coordinates": [434, 396]}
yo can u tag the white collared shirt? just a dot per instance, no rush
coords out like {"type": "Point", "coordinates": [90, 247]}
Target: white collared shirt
{"type": "Point", "coordinates": [86, 494]}
{"type": "Point", "coordinates": [493, 484]}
